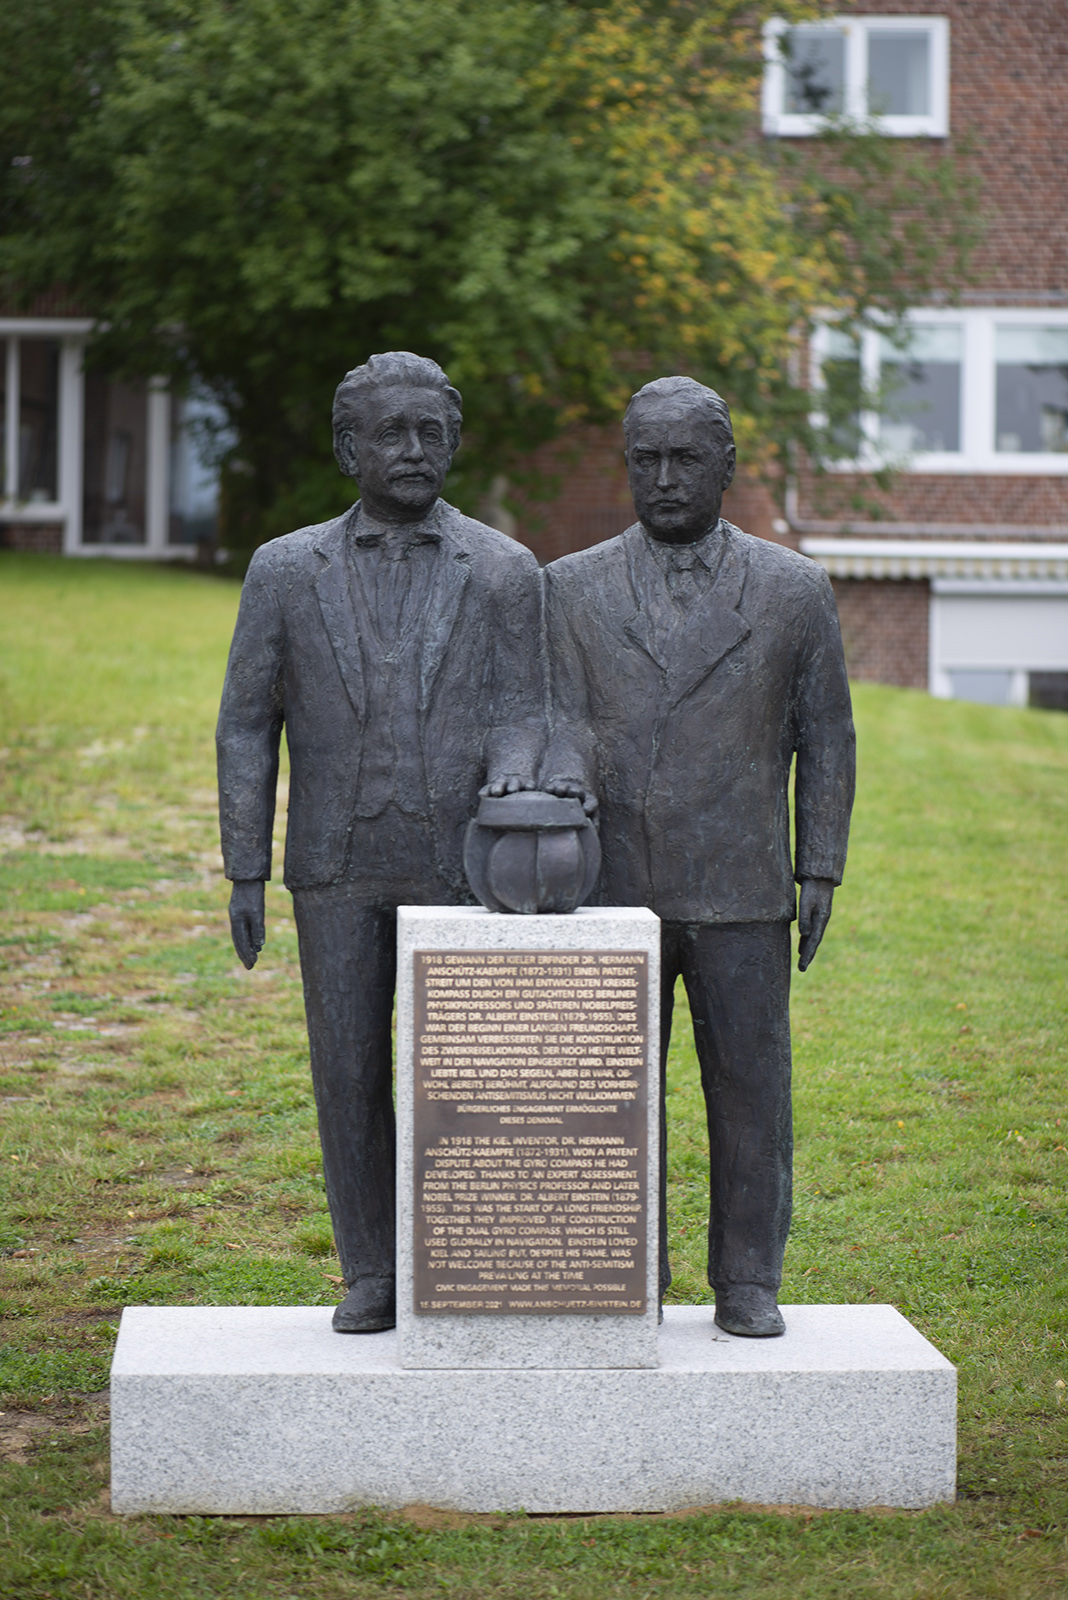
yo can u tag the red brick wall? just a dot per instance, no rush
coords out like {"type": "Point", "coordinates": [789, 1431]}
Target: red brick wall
{"type": "Point", "coordinates": [884, 630]}
{"type": "Point", "coordinates": [56, 302]}
{"type": "Point", "coordinates": [990, 506]}
{"type": "Point", "coordinates": [42, 538]}
{"type": "Point", "coordinates": [578, 495]}
{"type": "Point", "coordinates": [752, 506]}
{"type": "Point", "coordinates": [1008, 71]}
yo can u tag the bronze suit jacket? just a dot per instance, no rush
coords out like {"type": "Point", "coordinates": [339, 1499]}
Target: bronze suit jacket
{"type": "Point", "coordinates": [688, 737]}
{"type": "Point", "coordinates": [298, 661]}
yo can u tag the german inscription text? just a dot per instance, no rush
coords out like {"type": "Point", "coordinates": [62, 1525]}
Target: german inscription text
{"type": "Point", "coordinates": [530, 1132]}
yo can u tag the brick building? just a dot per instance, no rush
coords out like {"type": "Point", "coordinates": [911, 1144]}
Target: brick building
{"type": "Point", "coordinates": [955, 580]}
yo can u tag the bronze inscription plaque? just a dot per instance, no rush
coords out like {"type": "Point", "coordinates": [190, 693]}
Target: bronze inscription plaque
{"type": "Point", "coordinates": [530, 1132]}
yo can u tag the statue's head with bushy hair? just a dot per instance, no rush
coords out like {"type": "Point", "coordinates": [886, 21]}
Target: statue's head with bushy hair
{"type": "Point", "coordinates": [395, 369]}
{"type": "Point", "coordinates": [396, 429]}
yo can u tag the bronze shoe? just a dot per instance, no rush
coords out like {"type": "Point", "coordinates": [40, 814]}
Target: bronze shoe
{"type": "Point", "coordinates": [369, 1307]}
{"type": "Point", "coordinates": [750, 1310]}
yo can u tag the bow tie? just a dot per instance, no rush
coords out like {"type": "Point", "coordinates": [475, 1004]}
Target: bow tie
{"type": "Point", "coordinates": [398, 541]}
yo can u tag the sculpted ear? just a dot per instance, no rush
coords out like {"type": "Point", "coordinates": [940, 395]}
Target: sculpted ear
{"type": "Point", "coordinates": [345, 451]}
{"type": "Point", "coordinates": [729, 466]}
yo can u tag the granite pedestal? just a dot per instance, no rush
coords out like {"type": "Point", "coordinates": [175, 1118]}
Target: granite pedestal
{"type": "Point", "coordinates": [527, 1090]}
{"type": "Point", "coordinates": [261, 1410]}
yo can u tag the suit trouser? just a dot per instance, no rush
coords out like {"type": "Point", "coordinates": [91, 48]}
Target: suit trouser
{"type": "Point", "coordinates": [737, 977]}
{"type": "Point", "coordinates": [348, 962]}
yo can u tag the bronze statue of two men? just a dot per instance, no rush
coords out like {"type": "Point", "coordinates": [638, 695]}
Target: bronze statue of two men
{"type": "Point", "coordinates": [681, 670]}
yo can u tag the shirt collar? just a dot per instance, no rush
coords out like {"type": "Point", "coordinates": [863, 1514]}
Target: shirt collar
{"type": "Point", "coordinates": [367, 534]}
{"type": "Point", "coordinates": [708, 548]}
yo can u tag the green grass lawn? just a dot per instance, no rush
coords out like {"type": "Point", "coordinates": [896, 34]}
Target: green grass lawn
{"type": "Point", "coordinates": [157, 1137]}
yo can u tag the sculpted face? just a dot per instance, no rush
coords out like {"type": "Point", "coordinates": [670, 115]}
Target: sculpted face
{"type": "Point", "coordinates": [678, 469]}
{"type": "Point", "coordinates": [399, 451]}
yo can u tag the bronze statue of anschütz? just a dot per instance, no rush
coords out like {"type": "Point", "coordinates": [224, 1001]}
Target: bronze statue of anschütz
{"type": "Point", "coordinates": [692, 666]}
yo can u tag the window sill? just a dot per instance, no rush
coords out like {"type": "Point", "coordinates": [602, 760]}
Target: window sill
{"type": "Point", "coordinates": [135, 552]}
{"type": "Point", "coordinates": [795, 126]}
{"type": "Point", "coordinates": [32, 511]}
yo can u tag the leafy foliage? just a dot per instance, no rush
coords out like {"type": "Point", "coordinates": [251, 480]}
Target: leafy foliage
{"type": "Point", "coordinates": [553, 199]}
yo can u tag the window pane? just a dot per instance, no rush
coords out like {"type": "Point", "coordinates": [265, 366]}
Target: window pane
{"type": "Point", "coordinates": [899, 77]}
{"type": "Point", "coordinates": [921, 392]}
{"type": "Point", "coordinates": [815, 70]}
{"type": "Point", "coordinates": [843, 394]}
{"type": "Point", "coordinates": [113, 506]}
{"type": "Point", "coordinates": [38, 419]}
{"type": "Point", "coordinates": [1032, 390]}
{"type": "Point", "coordinates": [988, 688]}
{"type": "Point", "coordinates": [1048, 691]}
{"type": "Point", "coordinates": [198, 433]}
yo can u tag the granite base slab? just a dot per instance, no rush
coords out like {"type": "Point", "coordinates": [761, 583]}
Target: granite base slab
{"type": "Point", "coordinates": [264, 1410]}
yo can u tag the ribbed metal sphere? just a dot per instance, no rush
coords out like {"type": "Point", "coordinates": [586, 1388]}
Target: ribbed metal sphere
{"type": "Point", "coordinates": [531, 852]}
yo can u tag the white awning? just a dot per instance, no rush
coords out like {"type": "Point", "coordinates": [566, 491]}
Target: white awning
{"type": "Point", "coordinates": [976, 559]}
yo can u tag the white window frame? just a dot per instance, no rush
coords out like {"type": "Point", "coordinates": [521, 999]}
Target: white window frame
{"type": "Point", "coordinates": [804, 125]}
{"type": "Point", "coordinates": [72, 333]}
{"type": "Point", "coordinates": [67, 507]}
{"type": "Point", "coordinates": [977, 453]}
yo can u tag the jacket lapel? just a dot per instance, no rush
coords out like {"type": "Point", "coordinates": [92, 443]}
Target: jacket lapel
{"type": "Point", "coordinates": [714, 627]}
{"type": "Point", "coordinates": [453, 572]}
{"type": "Point", "coordinates": [332, 587]}
{"type": "Point", "coordinates": [641, 627]}
{"type": "Point", "coordinates": [689, 649]}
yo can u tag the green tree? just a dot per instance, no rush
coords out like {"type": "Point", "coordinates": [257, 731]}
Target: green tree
{"type": "Point", "coordinates": [553, 199]}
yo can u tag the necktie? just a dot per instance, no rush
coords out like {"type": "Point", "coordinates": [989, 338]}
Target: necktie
{"type": "Point", "coordinates": [387, 570]}
{"type": "Point", "coordinates": [682, 578]}
{"type": "Point", "coordinates": [393, 580]}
